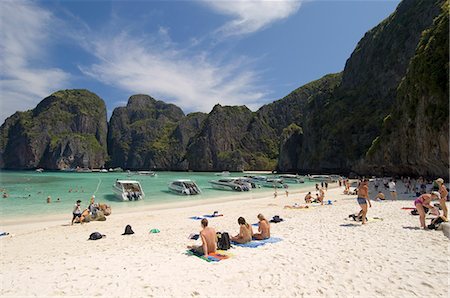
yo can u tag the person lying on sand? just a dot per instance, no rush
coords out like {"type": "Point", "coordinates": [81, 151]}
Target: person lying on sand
{"type": "Point", "coordinates": [209, 239]}
{"type": "Point", "coordinates": [425, 201]}
{"type": "Point", "coordinates": [263, 228]}
{"type": "Point", "coordinates": [308, 198]}
{"type": "Point", "coordinates": [245, 232]}
{"type": "Point", "coordinates": [380, 196]}
{"type": "Point", "coordinates": [296, 206]}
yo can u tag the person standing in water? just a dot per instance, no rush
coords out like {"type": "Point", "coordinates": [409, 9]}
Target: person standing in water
{"type": "Point", "coordinates": [363, 199]}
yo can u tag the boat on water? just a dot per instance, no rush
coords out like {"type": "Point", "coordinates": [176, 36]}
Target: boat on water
{"type": "Point", "coordinates": [320, 178]}
{"type": "Point", "coordinates": [224, 174]}
{"type": "Point", "coordinates": [289, 178]}
{"type": "Point", "coordinates": [184, 187]}
{"type": "Point", "coordinates": [268, 182]}
{"type": "Point", "coordinates": [147, 173]}
{"type": "Point", "coordinates": [40, 170]}
{"type": "Point", "coordinates": [128, 190]}
{"type": "Point", "coordinates": [233, 184]}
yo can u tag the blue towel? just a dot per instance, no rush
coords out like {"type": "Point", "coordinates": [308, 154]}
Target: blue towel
{"type": "Point", "coordinates": [257, 243]}
{"type": "Point", "coordinates": [255, 225]}
{"type": "Point", "coordinates": [196, 217]}
{"type": "Point", "coordinates": [212, 216]}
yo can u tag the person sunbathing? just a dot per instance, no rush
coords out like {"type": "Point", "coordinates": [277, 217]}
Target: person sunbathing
{"type": "Point", "coordinates": [380, 196]}
{"type": "Point", "coordinates": [308, 198]}
{"type": "Point", "coordinates": [209, 240]}
{"type": "Point", "coordinates": [245, 232]}
{"type": "Point", "coordinates": [296, 206]}
{"type": "Point", "coordinates": [263, 228]}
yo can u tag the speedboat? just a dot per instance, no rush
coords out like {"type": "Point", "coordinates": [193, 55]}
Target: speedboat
{"type": "Point", "coordinates": [320, 178]}
{"type": "Point", "coordinates": [269, 182]}
{"type": "Point", "coordinates": [224, 174]}
{"type": "Point", "coordinates": [128, 190]}
{"type": "Point", "coordinates": [230, 184]}
{"type": "Point", "coordinates": [40, 170]}
{"type": "Point", "coordinates": [184, 187]}
{"type": "Point", "coordinates": [147, 173]}
{"type": "Point", "coordinates": [289, 178]}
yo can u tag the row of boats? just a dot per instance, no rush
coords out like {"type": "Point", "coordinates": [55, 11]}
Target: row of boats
{"type": "Point", "coordinates": [131, 190]}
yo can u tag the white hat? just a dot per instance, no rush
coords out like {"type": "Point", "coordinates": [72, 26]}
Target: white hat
{"type": "Point", "coordinates": [440, 180]}
{"type": "Point", "coordinates": [436, 194]}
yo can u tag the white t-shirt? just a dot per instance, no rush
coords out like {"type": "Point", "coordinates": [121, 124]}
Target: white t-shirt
{"type": "Point", "coordinates": [76, 209]}
{"type": "Point", "coordinates": [392, 186]}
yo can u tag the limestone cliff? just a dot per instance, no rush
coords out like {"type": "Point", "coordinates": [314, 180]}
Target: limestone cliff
{"type": "Point", "coordinates": [415, 136]}
{"type": "Point", "coordinates": [65, 130]}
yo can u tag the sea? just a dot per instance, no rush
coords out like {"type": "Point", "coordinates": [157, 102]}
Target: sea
{"type": "Point", "coordinates": [28, 191]}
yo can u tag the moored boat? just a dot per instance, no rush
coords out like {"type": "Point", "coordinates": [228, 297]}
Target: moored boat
{"type": "Point", "coordinates": [184, 187]}
{"type": "Point", "coordinates": [128, 190]}
{"type": "Point", "coordinates": [230, 184]}
{"type": "Point", "coordinates": [289, 178]}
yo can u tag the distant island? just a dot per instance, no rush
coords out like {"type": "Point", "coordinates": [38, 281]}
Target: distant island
{"type": "Point", "coordinates": [386, 113]}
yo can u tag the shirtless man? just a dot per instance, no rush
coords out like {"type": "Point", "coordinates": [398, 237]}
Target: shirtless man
{"type": "Point", "coordinates": [263, 228]}
{"type": "Point", "coordinates": [363, 199]}
{"type": "Point", "coordinates": [209, 239]}
{"type": "Point", "coordinates": [444, 193]}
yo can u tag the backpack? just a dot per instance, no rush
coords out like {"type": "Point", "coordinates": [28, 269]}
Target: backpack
{"type": "Point", "coordinates": [96, 236]}
{"type": "Point", "coordinates": [224, 242]}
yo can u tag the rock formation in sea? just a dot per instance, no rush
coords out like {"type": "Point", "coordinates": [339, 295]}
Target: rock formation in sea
{"type": "Point", "coordinates": [65, 130]}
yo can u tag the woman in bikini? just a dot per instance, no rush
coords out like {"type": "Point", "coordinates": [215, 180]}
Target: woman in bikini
{"type": "Point", "coordinates": [425, 201]}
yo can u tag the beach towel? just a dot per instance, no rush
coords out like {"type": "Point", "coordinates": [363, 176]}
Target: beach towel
{"type": "Point", "coordinates": [212, 257]}
{"type": "Point", "coordinates": [4, 233]}
{"type": "Point", "coordinates": [196, 217]}
{"type": "Point", "coordinates": [212, 216]}
{"type": "Point", "coordinates": [408, 208]}
{"type": "Point", "coordinates": [258, 243]}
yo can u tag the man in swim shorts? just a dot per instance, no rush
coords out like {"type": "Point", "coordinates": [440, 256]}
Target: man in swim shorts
{"type": "Point", "coordinates": [363, 199]}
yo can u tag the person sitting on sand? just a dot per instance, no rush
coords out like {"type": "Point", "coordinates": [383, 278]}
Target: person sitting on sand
{"type": "Point", "coordinates": [263, 228]}
{"type": "Point", "coordinates": [308, 198]}
{"type": "Point", "coordinates": [245, 232]}
{"type": "Point", "coordinates": [425, 201]}
{"type": "Point", "coordinates": [363, 199]}
{"type": "Point", "coordinates": [93, 207]}
{"type": "Point", "coordinates": [380, 196]}
{"type": "Point", "coordinates": [77, 212]}
{"type": "Point", "coordinates": [209, 240]}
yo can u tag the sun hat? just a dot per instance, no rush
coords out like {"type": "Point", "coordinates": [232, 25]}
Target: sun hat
{"type": "Point", "coordinates": [437, 194]}
{"type": "Point", "coordinates": [440, 180]}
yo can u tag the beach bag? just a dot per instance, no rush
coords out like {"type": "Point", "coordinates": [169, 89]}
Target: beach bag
{"type": "Point", "coordinates": [128, 230]}
{"type": "Point", "coordinates": [224, 242]}
{"type": "Point", "coordinates": [96, 236]}
{"type": "Point", "coordinates": [435, 223]}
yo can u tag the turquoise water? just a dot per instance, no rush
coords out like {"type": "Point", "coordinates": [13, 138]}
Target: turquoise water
{"type": "Point", "coordinates": [28, 190]}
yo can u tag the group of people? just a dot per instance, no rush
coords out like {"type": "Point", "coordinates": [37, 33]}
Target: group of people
{"type": "Point", "coordinates": [422, 203]}
{"type": "Point", "coordinates": [93, 210]}
{"type": "Point", "coordinates": [208, 234]}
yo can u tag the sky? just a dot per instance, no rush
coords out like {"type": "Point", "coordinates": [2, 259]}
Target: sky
{"type": "Point", "coordinates": [192, 53]}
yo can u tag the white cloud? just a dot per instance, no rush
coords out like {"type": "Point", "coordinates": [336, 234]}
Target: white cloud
{"type": "Point", "coordinates": [24, 34]}
{"type": "Point", "coordinates": [251, 15]}
{"type": "Point", "coordinates": [195, 82]}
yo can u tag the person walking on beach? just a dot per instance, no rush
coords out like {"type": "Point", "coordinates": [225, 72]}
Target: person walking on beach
{"type": "Point", "coordinates": [363, 199]}
{"type": "Point", "coordinates": [263, 228]}
{"type": "Point", "coordinates": [77, 212]}
{"type": "Point", "coordinates": [425, 201]}
{"type": "Point", "coordinates": [245, 232]}
{"type": "Point", "coordinates": [392, 190]}
{"type": "Point", "coordinates": [209, 239]}
{"type": "Point", "coordinates": [444, 193]}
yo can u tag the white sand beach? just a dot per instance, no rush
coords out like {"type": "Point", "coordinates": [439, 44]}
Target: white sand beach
{"type": "Point", "coordinates": [322, 254]}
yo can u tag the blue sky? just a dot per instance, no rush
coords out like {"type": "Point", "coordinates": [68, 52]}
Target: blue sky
{"type": "Point", "coordinates": [191, 53]}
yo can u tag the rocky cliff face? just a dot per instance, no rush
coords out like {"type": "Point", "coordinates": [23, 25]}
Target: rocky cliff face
{"type": "Point", "coordinates": [339, 127]}
{"type": "Point", "coordinates": [139, 135]}
{"type": "Point", "coordinates": [65, 130]}
{"type": "Point", "coordinates": [415, 136]}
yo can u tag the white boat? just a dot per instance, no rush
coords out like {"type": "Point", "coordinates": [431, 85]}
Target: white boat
{"type": "Point", "coordinates": [289, 178]}
{"type": "Point", "coordinates": [268, 182]}
{"type": "Point", "coordinates": [128, 190]}
{"type": "Point", "coordinates": [224, 173]}
{"type": "Point", "coordinates": [147, 173]}
{"type": "Point", "coordinates": [320, 178]}
{"type": "Point", "coordinates": [230, 184]}
{"type": "Point", "coordinates": [184, 187]}
{"type": "Point", "coordinates": [40, 170]}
